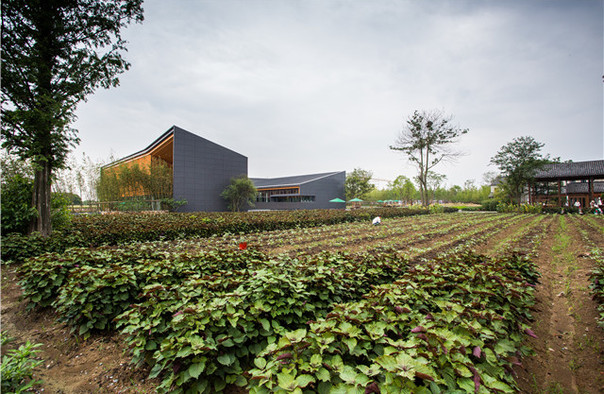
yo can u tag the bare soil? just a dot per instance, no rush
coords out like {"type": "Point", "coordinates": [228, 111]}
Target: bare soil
{"type": "Point", "coordinates": [569, 348]}
{"type": "Point", "coordinates": [71, 365]}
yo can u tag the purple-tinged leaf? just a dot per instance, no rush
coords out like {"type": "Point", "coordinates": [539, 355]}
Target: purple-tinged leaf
{"type": "Point", "coordinates": [372, 388]}
{"type": "Point", "coordinates": [418, 329]}
{"type": "Point", "coordinates": [284, 355]}
{"type": "Point", "coordinates": [477, 352]}
{"type": "Point", "coordinates": [476, 378]}
{"type": "Point", "coordinates": [530, 333]}
{"type": "Point", "coordinates": [423, 376]}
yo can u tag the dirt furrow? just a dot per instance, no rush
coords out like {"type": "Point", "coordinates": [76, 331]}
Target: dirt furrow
{"type": "Point", "coordinates": [568, 347]}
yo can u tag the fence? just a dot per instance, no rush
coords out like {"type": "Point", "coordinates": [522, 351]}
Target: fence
{"type": "Point", "coordinates": [118, 206]}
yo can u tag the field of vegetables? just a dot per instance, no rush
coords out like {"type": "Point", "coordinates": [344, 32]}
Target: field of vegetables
{"type": "Point", "coordinates": [437, 303]}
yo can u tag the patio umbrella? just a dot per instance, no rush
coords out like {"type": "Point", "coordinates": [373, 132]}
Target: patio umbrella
{"type": "Point", "coordinates": [356, 200]}
{"type": "Point", "coordinates": [337, 200]}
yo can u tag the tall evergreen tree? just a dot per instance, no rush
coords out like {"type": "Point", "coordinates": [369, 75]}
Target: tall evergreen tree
{"type": "Point", "coordinates": [54, 54]}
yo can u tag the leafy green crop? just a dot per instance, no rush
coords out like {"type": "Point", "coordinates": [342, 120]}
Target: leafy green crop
{"type": "Point", "coordinates": [180, 310]}
{"type": "Point", "coordinates": [17, 367]}
{"type": "Point", "coordinates": [202, 315]}
{"type": "Point", "coordinates": [597, 282]}
{"type": "Point", "coordinates": [203, 343]}
{"type": "Point", "coordinates": [97, 230]}
{"type": "Point", "coordinates": [89, 288]}
{"type": "Point", "coordinates": [452, 325]}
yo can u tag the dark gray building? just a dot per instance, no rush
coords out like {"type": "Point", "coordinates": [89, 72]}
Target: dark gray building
{"type": "Point", "coordinates": [301, 192]}
{"type": "Point", "coordinates": [201, 169]}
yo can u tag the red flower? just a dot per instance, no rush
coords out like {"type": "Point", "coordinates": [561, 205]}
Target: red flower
{"type": "Point", "coordinates": [242, 245]}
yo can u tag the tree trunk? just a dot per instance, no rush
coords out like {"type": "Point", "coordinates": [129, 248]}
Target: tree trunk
{"type": "Point", "coordinates": [425, 178]}
{"type": "Point", "coordinates": [41, 199]}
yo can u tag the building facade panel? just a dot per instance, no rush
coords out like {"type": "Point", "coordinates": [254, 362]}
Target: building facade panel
{"type": "Point", "coordinates": [202, 170]}
{"type": "Point", "coordinates": [301, 192]}
{"type": "Point", "coordinates": [325, 189]}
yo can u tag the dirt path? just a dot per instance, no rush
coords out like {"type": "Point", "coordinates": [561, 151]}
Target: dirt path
{"type": "Point", "coordinates": [71, 365]}
{"type": "Point", "coordinates": [569, 346]}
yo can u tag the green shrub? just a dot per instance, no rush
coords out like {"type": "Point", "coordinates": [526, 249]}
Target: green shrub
{"type": "Point", "coordinates": [469, 209]}
{"type": "Point", "coordinates": [60, 215]}
{"type": "Point", "coordinates": [17, 367]}
{"type": "Point", "coordinates": [489, 205]}
{"type": "Point", "coordinates": [503, 207]}
{"type": "Point", "coordinates": [16, 211]}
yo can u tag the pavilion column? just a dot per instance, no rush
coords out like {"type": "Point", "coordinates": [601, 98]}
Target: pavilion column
{"type": "Point", "coordinates": [590, 189]}
{"type": "Point", "coordinates": [559, 193]}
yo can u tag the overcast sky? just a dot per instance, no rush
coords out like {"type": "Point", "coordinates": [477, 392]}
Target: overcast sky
{"type": "Point", "coordinates": [301, 87]}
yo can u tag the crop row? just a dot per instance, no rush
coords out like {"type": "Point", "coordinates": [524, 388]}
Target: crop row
{"type": "Point", "coordinates": [597, 282]}
{"type": "Point", "coordinates": [526, 239]}
{"type": "Point", "coordinates": [455, 324]}
{"type": "Point", "coordinates": [466, 237]}
{"type": "Point", "coordinates": [237, 301]}
{"type": "Point", "coordinates": [307, 239]}
{"type": "Point", "coordinates": [596, 255]}
{"type": "Point", "coordinates": [96, 230]}
{"type": "Point", "coordinates": [199, 318]}
{"type": "Point", "coordinates": [436, 233]}
{"type": "Point", "coordinates": [399, 233]}
{"type": "Point", "coordinates": [595, 221]}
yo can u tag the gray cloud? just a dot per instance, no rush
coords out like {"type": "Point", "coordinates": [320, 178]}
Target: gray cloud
{"type": "Point", "coordinates": [309, 86]}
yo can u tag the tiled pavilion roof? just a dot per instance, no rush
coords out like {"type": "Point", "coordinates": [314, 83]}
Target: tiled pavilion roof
{"type": "Point", "coordinates": [568, 171]}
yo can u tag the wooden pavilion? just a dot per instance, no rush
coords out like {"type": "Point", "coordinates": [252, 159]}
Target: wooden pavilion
{"type": "Point", "coordinates": [563, 184]}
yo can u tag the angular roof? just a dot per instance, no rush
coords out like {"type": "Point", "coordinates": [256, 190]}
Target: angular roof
{"type": "Point", "coordinates": [165, 137]}
{"type": "Point", "coordinates": [289, 181]}
{"type": "Point", "coordinates": [583, 188]}
{"type": "Point", "coordinates": [580, 169]}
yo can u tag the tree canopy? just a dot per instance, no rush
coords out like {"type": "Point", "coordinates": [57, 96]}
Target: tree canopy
{"type": "Point", "coordinates": [358, 184]}
{"type": "Point", "coordinates": [54, 54]}
{"type": "Point", "coordinates": [403, 188]}
{"type": "Point", "coordinates": [426, 140]}
{"type": "Point", "coordinates": [518, 161]}
{"type": "Point", "coordinates": [131, 181]}
{"type": "Point", "coordinates": [239, 193]}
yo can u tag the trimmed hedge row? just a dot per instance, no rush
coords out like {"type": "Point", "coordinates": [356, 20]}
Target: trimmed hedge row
{"type": "Point", "coordinates": [97, 230]}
